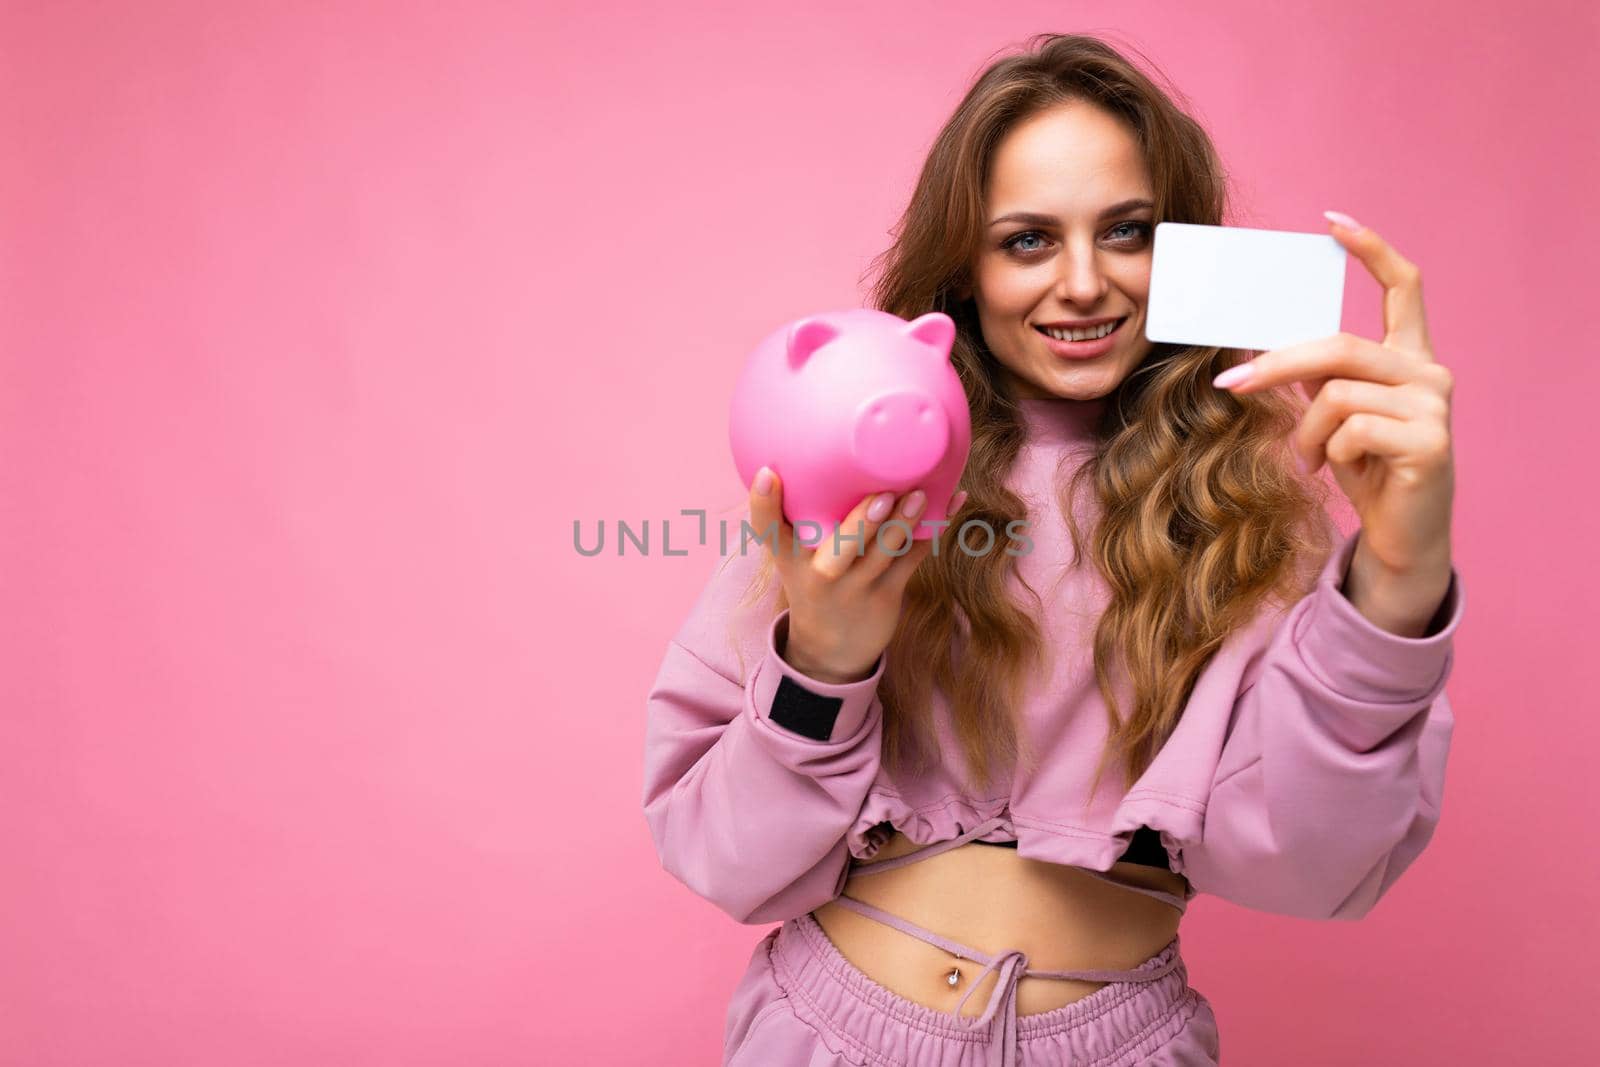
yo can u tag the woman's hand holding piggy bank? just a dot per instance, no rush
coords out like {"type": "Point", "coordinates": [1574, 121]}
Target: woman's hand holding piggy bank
{"type": "Point", "coordinates": [848, 409]}
{"type": "Point", "coordinates": [844, 596]}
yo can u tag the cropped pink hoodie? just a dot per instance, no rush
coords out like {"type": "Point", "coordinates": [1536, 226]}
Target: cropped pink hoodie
{"type": "Point", "coordinates": [1304, 777]}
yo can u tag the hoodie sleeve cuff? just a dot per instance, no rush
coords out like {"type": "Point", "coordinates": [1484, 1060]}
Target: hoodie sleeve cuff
{"type": "Point", "coordinates": [798, 705]}
{"type": "Point", "coordinates": [1362, 661]}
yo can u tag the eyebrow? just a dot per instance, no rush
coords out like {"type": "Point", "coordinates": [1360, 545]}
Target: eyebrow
{"type": "Point", "coordinates": [1033, 218]}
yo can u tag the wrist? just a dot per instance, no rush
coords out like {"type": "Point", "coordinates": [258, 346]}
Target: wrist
{"type": "Point", "coordinates": [821, 668]}
{"type": "Point", "coordinates": [1407, 604]}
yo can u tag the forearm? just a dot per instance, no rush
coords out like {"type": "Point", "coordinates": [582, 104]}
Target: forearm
{"type": "Point", "coordinates": [751, 789]}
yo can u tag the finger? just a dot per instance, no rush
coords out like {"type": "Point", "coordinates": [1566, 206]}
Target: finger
{"type": "Point", "coordinates": [899, 572]}
{"type": "Point", "coordinates": [840, 549]}
{"type": "Point", "coordinates": [1405, 321]}
{"type": "Point", "coordinates": [1396, 441]}
{"type": "Point", "coordinates": [891, 540]}
{"type": "Point", "coordinates": [1343, 398]}
{"type": "Point", "coordinates": [770, 526]}
{"type": "Point", "coordinates": [1341, 355]}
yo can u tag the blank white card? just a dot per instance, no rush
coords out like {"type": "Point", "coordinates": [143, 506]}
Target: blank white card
{"type": "Point", "coordinates": [1231, 287]}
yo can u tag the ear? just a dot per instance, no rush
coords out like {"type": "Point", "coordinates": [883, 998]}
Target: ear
{"type": "Point", "coordinates": [806, 336]}
{"type": "Point", "coordinates": [935, 329]}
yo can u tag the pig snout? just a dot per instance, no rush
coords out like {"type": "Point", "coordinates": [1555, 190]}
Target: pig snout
{"type": "Point", "coordinates": [901, 436]}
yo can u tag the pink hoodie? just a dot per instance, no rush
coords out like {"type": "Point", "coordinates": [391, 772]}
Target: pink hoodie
{"type": "Point", "coordinates": [1305, 775]}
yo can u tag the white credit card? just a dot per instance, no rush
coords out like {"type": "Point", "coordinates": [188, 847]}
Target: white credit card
{"type": "Point", "coordinates": [1230, 287]}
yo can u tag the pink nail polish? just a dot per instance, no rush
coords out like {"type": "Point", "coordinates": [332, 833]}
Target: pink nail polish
{"type": "Point", "coordinates": [1233, 376]}
{"type": "Point", "coordinates": [1339, 218]}
{"type": "Point", "coordinates": [878, 510]}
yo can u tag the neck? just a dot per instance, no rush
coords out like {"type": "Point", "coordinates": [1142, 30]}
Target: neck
{"type": "Point", "coordinates": [1060, 420]}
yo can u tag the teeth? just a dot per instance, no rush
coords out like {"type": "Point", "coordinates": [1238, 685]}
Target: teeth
{"type": "Point", "coordinates": [1082, 335]}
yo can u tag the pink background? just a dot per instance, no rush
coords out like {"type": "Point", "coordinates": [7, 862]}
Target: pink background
{"type": "Point", "coordinates": [322, 324]}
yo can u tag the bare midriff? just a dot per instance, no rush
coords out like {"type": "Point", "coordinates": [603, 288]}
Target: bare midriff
{"type": "Point", "coordinates": [995, 900]}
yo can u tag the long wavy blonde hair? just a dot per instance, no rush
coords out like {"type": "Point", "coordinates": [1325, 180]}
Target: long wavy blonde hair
{"type": "Point", "coordinates": [1203, 520]}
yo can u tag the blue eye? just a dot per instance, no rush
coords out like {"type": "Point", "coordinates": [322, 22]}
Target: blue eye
{"type": "Point", "coordinates": [1012, 242]}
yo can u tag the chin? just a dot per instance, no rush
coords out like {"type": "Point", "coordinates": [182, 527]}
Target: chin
{"type": "Point", "coordinates": [1082, 384]}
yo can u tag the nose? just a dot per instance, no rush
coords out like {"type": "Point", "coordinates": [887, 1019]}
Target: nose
{"type": "Point", "coordinates": [1081, 281]}
{"type": "Point", "coordinates": [901, 436]}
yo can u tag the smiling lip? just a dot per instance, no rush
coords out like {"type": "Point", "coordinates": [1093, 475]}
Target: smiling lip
{"type": "Point", "coordinates": [1083, 349]}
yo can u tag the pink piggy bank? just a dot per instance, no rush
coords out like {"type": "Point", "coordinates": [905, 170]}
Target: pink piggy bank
{"type": "Point", "coordinates": [848, 403]}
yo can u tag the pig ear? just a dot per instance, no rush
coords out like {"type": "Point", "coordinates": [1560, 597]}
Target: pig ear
{"type": "Point", "coordinates": [806, 336]}
{"type": "Point", "coordinates": [935, 329]}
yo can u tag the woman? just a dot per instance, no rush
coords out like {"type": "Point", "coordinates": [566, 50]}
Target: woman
{"type": "Point", "coordinates": [1274, 702]}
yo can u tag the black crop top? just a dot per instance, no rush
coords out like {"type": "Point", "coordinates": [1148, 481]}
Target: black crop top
{"type": "Point", "coordinates": [1145, 849]}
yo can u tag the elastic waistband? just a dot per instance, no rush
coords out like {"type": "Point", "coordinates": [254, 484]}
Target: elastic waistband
{"type": "Point", "coordinates": [832, 993]}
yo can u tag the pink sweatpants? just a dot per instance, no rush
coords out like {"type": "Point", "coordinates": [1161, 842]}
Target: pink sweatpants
{"type": "Point", "coordinates": [802, 1004]}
